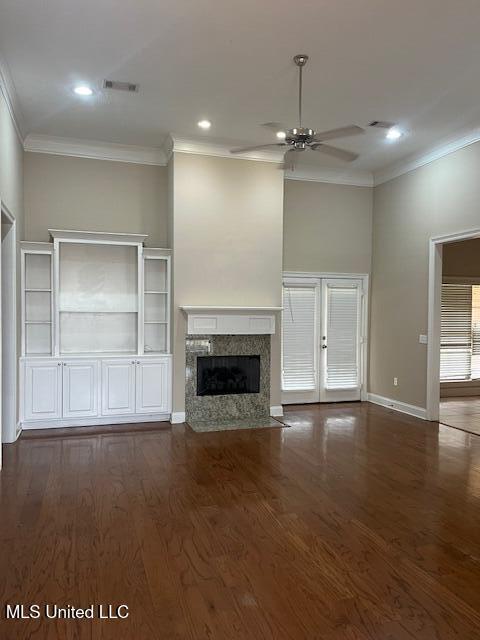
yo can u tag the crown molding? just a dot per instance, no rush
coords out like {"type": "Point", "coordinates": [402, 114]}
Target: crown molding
{"type": "Point", "coordinates": [420, 160]}
{"type": "Point", "coordinates": [35, 143]}
{"type": "Point", "coordinates": [355, 178]}
{"type": "Point", "coordinates": [7, 88]}
{"type": "Point", "coordinates": [220, 149]}
{"type": "Point", "coordinates": [159, 156]}
{"type": "Point", "coordinates": [177, 144]}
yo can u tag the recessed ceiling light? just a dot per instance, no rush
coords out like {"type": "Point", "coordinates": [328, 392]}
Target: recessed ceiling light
{"type": "Point", "coordinates": [281, 135]}
{"type": "Point", "coordinates": [83, 90]}
{"type": "Point", "coordinates": [204, 124]}
{"type": "Point", "coordinates": [394, 133]}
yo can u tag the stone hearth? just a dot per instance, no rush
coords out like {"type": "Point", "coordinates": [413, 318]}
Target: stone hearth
{"type": "Point", "coordinates": [224, 408]}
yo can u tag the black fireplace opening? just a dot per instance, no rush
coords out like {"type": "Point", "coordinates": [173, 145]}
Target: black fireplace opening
{"type": "Point", "coordinates": [226, 375]}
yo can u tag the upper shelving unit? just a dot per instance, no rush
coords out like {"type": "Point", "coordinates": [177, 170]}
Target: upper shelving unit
{"type": "Point", "coordinates": [37, 303]}
{"type": "Point", "coordinates": [95, 293]}
{"type": "Point", "coordinates": [156, 301]}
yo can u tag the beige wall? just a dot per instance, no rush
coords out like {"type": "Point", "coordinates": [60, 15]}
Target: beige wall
{"type": "Point", "coordinates": [462, 259]}
{"type": "Point", "coordinates": [227, 238]}
{"type": "Point", "coordinates": [328, 227]}
{"type": "Point", "coordinates": [442, 197]}
{"type": "Point", "coordinates": [11, 166]}
{"type": "Point", "coordinates": [11, 187]}
{"type": "Point", "coordinates": [94, 195]}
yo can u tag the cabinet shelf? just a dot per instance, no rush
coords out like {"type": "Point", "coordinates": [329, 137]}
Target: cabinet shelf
{"type": "Point", "coordinates": [156, 322]}
{"type": "Point", "coordinates": [39, 290]}
{"type": "Point", "coordinates": [38, 322]}
{"type": "Point", "coordinates": [95, 312]}
{"type": "Point", "coordinates": [156, 292]}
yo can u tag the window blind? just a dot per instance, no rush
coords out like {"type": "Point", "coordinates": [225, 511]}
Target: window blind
{"type": "Point", "coordinates": [456, 332]}
{"type": "Point", "coordinates": [298, 339]}
{"type": "Point", "coordinates": [342, 367]}
{"type": "Point", "coordinates": [475, 332]}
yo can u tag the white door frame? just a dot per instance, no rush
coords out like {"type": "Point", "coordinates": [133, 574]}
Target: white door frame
{"type": "Point", "coordinates": [435, 254]}
{"type": "Point", "coordinates": [365, 279]}
{"type": "Point", "coordinates": [8, 327]}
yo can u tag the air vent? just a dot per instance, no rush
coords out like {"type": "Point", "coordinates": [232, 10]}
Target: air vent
{"type": "Point", "coordinates": [381, 124]}
{"type": "Point", "coordinates": [115, 85]}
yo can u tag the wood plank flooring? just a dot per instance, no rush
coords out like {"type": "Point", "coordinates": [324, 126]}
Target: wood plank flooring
{"type": "Point", "coordinates": [357, 523]}
{"type": "Point", "coordinates": [462, 413]}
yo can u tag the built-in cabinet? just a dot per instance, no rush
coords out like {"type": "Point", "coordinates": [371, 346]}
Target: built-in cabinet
{"type": "Point", "coordinates": [42, 392]}
{"type": "Point", "coordinates": [80, 389]}
{"type": "Point", "coordinates": [118, 387]}
{"type": "Point", "coordinates": [95, 330]}
{"type": "Point", "coordinates": [135, 386]}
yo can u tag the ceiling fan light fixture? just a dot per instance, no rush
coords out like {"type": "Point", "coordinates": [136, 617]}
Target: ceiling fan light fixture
{"type": "Point", "coordinates": [83, 90]}
{"type": "Point", "coordinates": [281, 135]}
{"type": "Point", "coordinates": [394, 133]}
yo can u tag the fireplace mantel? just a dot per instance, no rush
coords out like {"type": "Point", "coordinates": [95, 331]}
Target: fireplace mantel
{"type": "Point", "coordinates": [216, 320]}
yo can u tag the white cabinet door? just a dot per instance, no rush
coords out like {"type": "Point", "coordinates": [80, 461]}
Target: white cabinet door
{"type": "Point", "coordinates": [43, 390]}
{"type": "Point", "coordinates": [80, 389]}
{"type": "Point", "coordinates": [118, 387]}
{"type": "Point", "coordinates": [153, 385]}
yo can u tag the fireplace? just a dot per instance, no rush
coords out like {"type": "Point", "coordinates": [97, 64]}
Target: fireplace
{"type": "Point", "coordinates": [227, 378]}
{"type": "Point", "coordinates": [227, 375]}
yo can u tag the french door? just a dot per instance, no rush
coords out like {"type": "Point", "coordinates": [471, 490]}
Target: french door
{"type": "Point", "coordinates": [322, 339]}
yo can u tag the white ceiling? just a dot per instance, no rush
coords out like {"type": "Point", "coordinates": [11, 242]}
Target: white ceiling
{"type": "Point", "coordinates": [410, 62]}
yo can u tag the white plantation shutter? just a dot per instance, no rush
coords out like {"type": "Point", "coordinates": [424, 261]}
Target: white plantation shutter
{"type": "Point", "coordinates": [342, 366]}
{"type": "Point", "coordinates": [475, 332]}
{"type": "Point", "coordinates": [298, 339]}
{"type": "Point", "coordinates": [456, 332]}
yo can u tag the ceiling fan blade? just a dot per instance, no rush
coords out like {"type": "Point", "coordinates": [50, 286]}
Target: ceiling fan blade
{"type": "Point", "coordinates": [342, 132]}
{"type": "Point", "coordinates": [274, 126]}
{"type": "Point", "coordinates": [341, 154]}
{"type": "Point", "coordinates": [288, 161]}
{"type": "Point", "coordinates": [259, 146]}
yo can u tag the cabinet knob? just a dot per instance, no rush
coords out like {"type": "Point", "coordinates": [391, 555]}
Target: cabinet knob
{"type": "Point", "coordinates": [133, 361]}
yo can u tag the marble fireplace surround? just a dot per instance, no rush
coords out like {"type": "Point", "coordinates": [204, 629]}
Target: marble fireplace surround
{"type": "Point", "coordinates": [223, 408]}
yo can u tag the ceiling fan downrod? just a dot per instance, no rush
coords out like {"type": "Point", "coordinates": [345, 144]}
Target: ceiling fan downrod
{"type": "Point", "coordinates": [300, 60]}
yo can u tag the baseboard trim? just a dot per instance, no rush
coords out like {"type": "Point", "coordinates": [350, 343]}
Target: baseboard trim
{"type": "Point", "coordinates": [18, 431]}
{"type": "Point", "coordinates": [276, 411]}
{"type": "Point", "coordinates": [177, 417]}
{"type": "Point", "coordinates": [95, 422]}
{"type": "Point", "coordinates": [397, 405]}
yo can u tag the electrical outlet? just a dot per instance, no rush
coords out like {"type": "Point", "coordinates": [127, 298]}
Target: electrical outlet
{"type": "Point", "coordinates": [395, 382]}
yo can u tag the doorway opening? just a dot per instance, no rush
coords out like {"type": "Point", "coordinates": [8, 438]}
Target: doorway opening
{"type": "Point", "coordinates": [453, 367]}
{"type": "Point", "coordinates": [460, 336]}
{"type": "Point", "coordinates": [8, 323]}
{"type": "Point", "coordinates": [324, 346]}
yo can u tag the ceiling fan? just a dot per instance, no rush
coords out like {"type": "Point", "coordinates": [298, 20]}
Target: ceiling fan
{"type": "Point", "coordinates": [301, 138]}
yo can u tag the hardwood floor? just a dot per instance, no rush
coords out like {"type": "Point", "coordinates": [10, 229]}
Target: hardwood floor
{"type": "Point", "coordinates": [462, 413]}
{"type": "Point", "coordinates": [356, 523]}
